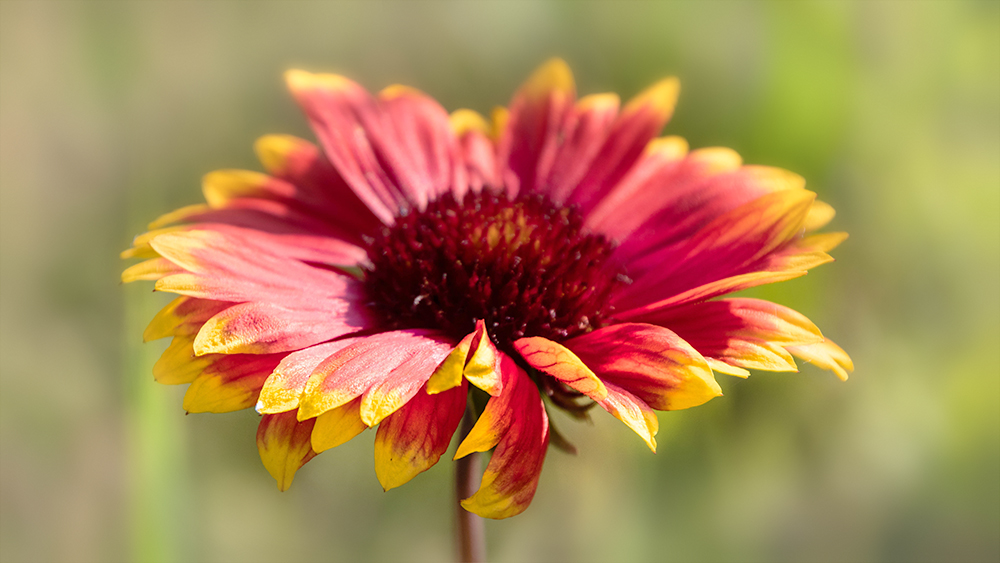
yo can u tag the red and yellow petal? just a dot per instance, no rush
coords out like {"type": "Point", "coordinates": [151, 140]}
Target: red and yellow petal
{"type": "Point", "coordinates": [338, 426]}
{"type": "Point", "coordinates": [412, 439]}
{"type": "Point", "coordinates": [826, 355]}
{"type": "Point", "coordinates": [475, 359]}
{"type": "Point", "coordinates": [284, 446]}
{"type": "Point", "coordinates": [516, 424]}
{"type": "Point", "coordinates": [747, 333]}
{"type": "Point", "coordinates": [284, 387]}
{"type": "Point", "coordinates": [561, 363]}
{"type": "Point", "coordinates": [352, 371]}
{"type": "Point", "coordinates": [634, 412]}
{"type": "Point", "coordinates": [649, 361]}
{"type": "Point", "coordinates": [229, 383]}
{"type": "Point", "coordinates": [642, 119]}
{"type": "Point", "coordinates": [537, 123]}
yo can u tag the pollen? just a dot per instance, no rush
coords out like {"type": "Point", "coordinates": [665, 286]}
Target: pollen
{"type": "Point", "coordinates": [525, 267]}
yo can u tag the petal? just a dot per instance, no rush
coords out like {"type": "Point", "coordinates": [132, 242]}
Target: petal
{"type": "Point", "coordinates": [562, 364]}
{"type": "Point", "coordinates": [651, 362]}
{"type": "Point", "coordinates": [634, 412]}
{"type": "Point", "coordinates": [182, 316]}
{"type": "Point", "coordinates": [403, 382]}
{"type": "Point", "coordinates": [420, 143]}
{"type": "Point", "coordinates": [537, 123]}
{"type": "Point", "coordinates": [748, 333]}
{"type": "Point", "coordinates": [412, 439]}
{"type": "Point", "coordinates": [480, 367]}
{"type": "Point", "coordinates": [338, 426]}
{"type": "Point", "coordinates": [735, 243]}
{"type": "Point", "coordinates": [230, 383]}
{"type": "Point", "coordinates": [285, 385]}
{"type": "Point", "coordinates": [352, 371]}
{"type": "Point", "coordinates": [826, 355]}
{"type": "Point", "coordinates": [321, 188]}
{"type": "Point", "coordinates": [586, 131]}
{"type": "Point", "coordinates": [264, 328]}
{"type": "Point", "coordinates": [178, 363]}
{"type": "Point", "coordinates": [477, 152]}
{"type": "Point", "coordinates": [283, 443]}
{"type": "Point", "coordinates": [152, 269]}
{"type": "Point", "coordinates": [515, 422]}
{"type": "Point", "coordinates": [640, 121]}
{"type": "Point", "coordinates": [347, 122]}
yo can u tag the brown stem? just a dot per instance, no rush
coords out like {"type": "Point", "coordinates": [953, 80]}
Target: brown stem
{"type": "Point", "coordinates": [471, 532]}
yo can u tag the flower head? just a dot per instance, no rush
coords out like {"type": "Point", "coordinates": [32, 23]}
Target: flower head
{"type": "Point", "coordinates": [559, 256]}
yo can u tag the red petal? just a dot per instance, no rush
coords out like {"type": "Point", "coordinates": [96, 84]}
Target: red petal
{"type": "Point", "coordinates": [515, 422]}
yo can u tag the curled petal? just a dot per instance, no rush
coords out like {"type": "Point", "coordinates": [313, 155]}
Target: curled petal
{"type": "Point", "coordinates": [651, 362]}
{"type": "Point", "coordinates": [562, 364]}
{"type": "Point", "coordinates": [516, 424]}
{"type": "Point", "coordinates": [283, 443]}
{"type": "Point", "coordinates": [475, 359]}
{"type": "Point", "coordinates": [412, 439]}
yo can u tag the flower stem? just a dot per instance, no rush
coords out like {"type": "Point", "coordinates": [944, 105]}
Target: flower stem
{"type": "Point", "coordinates": [471, 532]}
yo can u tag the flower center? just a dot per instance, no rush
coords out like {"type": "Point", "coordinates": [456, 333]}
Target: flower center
{"type": "Point", "coordinates": [525, 267]}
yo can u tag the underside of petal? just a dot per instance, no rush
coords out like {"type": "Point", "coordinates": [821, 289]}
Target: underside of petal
{"type": "Point", "coordinates": [562, 364]}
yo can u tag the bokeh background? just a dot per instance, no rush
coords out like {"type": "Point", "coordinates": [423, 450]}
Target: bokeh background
{"type": "Point", "coordinates": [111, 112]}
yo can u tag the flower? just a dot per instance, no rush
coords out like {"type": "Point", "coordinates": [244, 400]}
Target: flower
{"type": "Point", "coordinates": [559, 256]}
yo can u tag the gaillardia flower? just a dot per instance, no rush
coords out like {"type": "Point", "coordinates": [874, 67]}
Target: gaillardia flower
{"type": "Point", "coordinates": [416, 264]}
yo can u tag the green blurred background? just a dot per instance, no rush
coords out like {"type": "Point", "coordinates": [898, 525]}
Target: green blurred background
{"type": "Point", "coordinates": [111, 112]}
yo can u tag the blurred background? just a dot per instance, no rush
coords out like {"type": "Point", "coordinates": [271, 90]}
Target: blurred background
{"type": "Point", "coordinates": [110, 113]}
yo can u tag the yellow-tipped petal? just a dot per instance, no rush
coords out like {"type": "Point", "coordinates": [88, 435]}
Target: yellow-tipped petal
{"type": "Point", "coordinates": [553, 75]}
{"type": "Point", "coordinates": [718, 159]}
{"type": "Point", "coordinates": [723, 367]}
{"type": "Point", "coordinates": [464, 120]}
{"type": "Point", "coordinates": [152, 269]}
{"type": "Point", "coordinates": [301, 80]}
{"type": "Point", "coordinates": [668, 148]}
{"type": "Point", "coordinates": [819, 215]}
{"type": "Point", "coordinates": [561, 363]}
{"type": "Point", "coordinates": [499, 117]}
{"type": "Point", "coordinates": [337, 426]}
{"type": "Point", "coordinates": [660, 97]}
{"type": "Point", "coordinates": [221, 186]}
{"type": "Point", "coordinates": [273, 151]}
